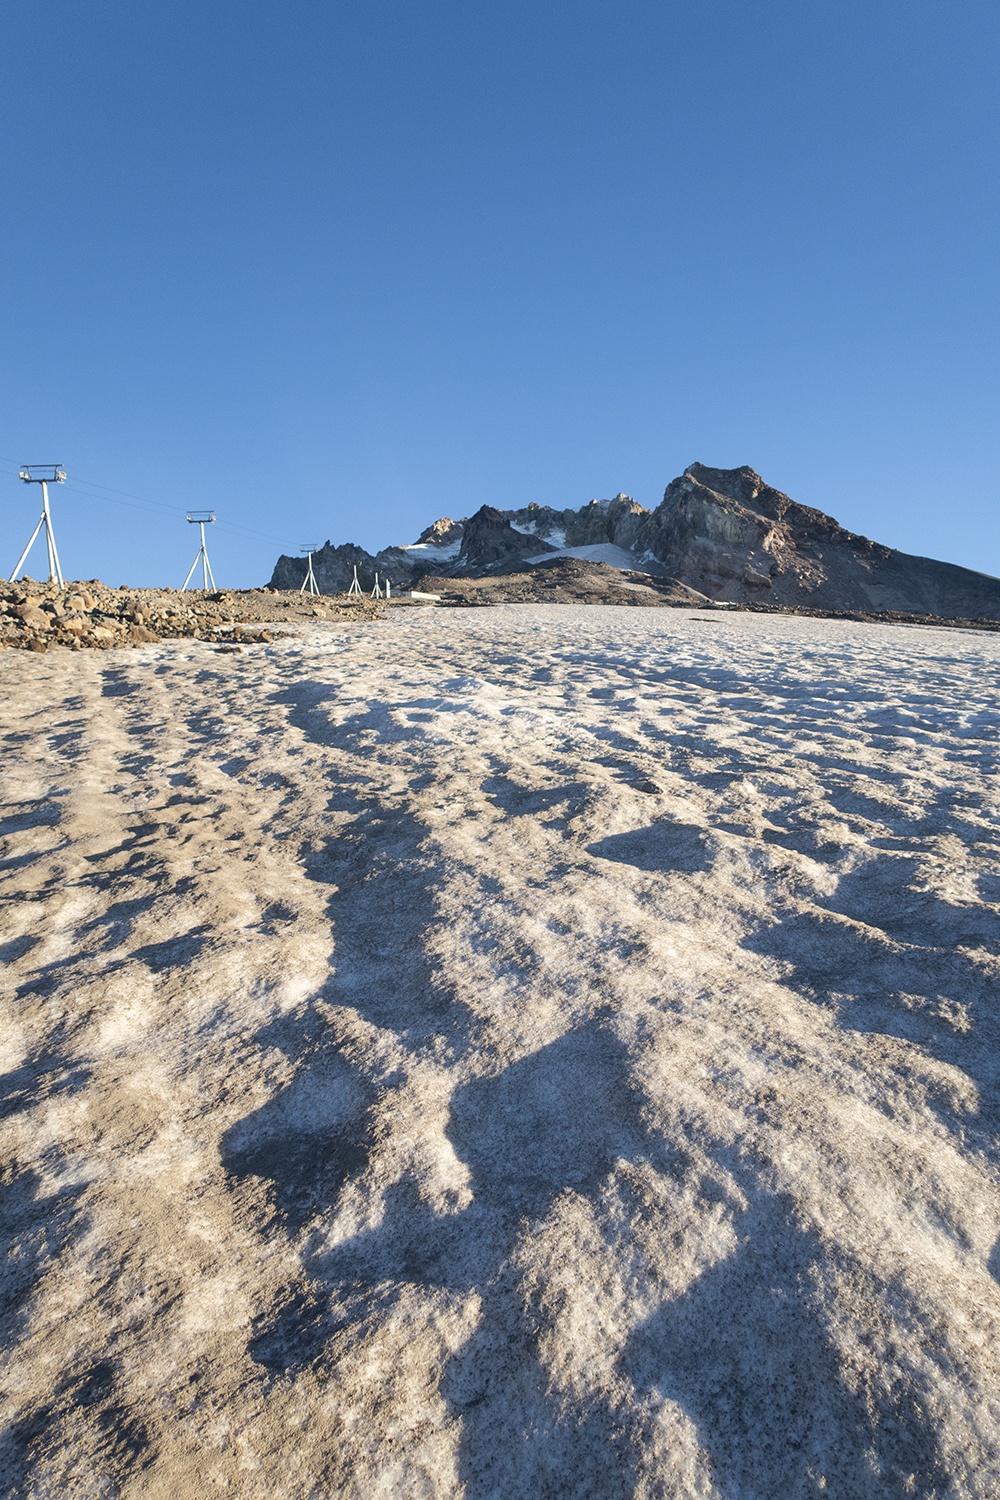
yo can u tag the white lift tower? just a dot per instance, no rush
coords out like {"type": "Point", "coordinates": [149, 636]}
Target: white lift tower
{"type": "Point", "coordinates": [309, 582]}
{"type": "Point", "coordinates": [56, 476]}
{"type": "Point", "coordinates": [201, 519]}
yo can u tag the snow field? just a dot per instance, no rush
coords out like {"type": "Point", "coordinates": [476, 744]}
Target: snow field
{"type": "Point", "coordinates": [511, 1052]}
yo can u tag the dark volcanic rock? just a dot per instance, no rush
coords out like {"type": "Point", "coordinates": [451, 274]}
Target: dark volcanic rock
{"type": "Point", "coordinates": [542, 521]}
{"type": "Point", "coordinates": [334, 568]}
{"type": "Point", "coordinates": [616, 521]}
{"type": "Point", "coordinates": [489, 540]}
{"type": "Point", "coordinates": [731, 536]}
{"type": "Point", "coordinates": [619, 521]}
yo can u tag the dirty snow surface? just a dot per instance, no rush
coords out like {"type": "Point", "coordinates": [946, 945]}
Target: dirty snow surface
{"type": "Point", "coordinates": [527, 1052]}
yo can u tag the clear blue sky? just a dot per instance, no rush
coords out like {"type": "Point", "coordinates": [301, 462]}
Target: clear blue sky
{"type": "Point", "coordinates": [340, 268]}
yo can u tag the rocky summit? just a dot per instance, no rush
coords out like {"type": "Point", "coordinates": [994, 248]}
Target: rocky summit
{"type": "Point", "coordinates": [724, 533]}
{"type": "Point", "coordinates": [729, 534]}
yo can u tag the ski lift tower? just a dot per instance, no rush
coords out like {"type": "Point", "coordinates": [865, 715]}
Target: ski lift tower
{"type": "Point", "coordinates": [50, 474]}
{"type": "Point", "coordinates": [201, 519]}
{"type": "Point", "coordinates": [309, 582]}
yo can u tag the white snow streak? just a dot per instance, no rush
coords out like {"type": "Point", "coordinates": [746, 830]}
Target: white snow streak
{"type": "Point", "coordinates": [603, 552]}
{"type": "Point", "coordinates": [427, 552]}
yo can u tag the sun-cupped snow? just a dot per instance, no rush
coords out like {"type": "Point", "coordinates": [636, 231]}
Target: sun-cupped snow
{"type": "Point", "coordinates": [504, 1052]}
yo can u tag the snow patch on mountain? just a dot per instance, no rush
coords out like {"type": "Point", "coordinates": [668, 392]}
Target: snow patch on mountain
{"type": "Point", "coordinates": [427, 552]}
{"type": "Point", "coordinates": [557, 536]}
{"type": "Point", "coordinates": [603, 552]}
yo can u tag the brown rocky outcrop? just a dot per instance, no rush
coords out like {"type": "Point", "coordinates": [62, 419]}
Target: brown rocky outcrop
{"type": "Point", "coordinates": [619, 521]}
{"type": "Point", "coordinates": [442, 533]}
{"type": "Point", "coordinates": [560, 580]}
{"type": "Point", "coordinates": [735, 538]}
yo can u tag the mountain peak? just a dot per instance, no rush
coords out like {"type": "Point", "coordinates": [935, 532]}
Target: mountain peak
{"type": "Point", "coordinates": [489, 540]}
{"type": "Point", "coordinates": [742, 485]}
{"type": "Point", "coordinates": [440, 533]}
{"type": "Point", "coordinates": [725, 533]}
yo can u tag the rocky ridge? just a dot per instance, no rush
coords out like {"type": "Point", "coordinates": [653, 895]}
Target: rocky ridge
{"type": "Point", "coordinates": [489, 541]}
{"type": "Point", "coordinates": [334, 567]}
{"type": "Point", "coordinates": [725, 533]}
{"type": "Point", "coordinates": [728, 533]}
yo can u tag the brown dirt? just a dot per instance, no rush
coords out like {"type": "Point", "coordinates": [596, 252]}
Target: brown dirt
{"type": "Point", "coordinates": [565, 580]}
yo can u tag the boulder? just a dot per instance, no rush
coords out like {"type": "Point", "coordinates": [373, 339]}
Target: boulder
{"type": "Point", "coordinates": [33, 617]}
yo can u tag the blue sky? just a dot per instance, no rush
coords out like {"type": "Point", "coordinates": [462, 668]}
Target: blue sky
{"type": "Point", "coordinates": [337, 269]}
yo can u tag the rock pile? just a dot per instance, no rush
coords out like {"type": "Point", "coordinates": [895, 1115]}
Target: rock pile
{"type": "Point", "coordinates": [37, 616]}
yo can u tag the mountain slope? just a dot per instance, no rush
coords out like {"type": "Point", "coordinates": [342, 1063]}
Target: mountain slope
{"type": "Point", "coordinates": [724, 532]}
{"type": "Point", "coordinates": [734, 537]}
